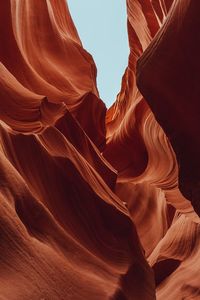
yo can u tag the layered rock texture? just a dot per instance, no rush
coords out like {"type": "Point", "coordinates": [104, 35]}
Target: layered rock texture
{"type": "Point", "coordinates": [94, 203]}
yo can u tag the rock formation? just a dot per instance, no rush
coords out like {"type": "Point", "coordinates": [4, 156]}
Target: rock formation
{"type": "Point", "coordinates": [94, 203]}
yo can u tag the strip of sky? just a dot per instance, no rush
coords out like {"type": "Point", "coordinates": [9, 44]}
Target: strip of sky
{"type": "Point", "coordinates": [103, 31]}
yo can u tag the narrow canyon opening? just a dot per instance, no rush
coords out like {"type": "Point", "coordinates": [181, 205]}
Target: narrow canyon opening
{"type": "Point", "coordinates": [102, 27]}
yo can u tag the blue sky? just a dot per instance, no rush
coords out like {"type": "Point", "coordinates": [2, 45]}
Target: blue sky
{"type": "Point", "coordinates": [102, 28]}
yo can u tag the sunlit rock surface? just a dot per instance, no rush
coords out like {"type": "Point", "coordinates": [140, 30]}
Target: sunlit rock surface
{"type": "Point", "coordinates": [99, 204]}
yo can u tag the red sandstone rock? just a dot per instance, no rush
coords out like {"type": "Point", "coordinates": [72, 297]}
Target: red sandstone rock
{"type": "Point", "coordinates": [95, 203]}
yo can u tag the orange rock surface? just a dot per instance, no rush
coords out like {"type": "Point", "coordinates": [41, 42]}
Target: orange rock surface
{"type": "Point", "coordinates": [94, 203]}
